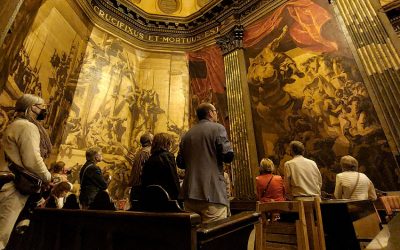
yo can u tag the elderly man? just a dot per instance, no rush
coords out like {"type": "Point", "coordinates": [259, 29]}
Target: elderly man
{"type": "Point", "coordinates": [25, 143]}
{"type": "Point", "coordinates": [202, 151]}
{"type": "Point", "coordinates": [91, 177]}
{"type": "Point", "coordinates": [302, 177]}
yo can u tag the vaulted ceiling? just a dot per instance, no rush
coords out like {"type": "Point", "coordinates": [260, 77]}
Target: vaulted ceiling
{"type": "Point", "coordinates": [172, 8]}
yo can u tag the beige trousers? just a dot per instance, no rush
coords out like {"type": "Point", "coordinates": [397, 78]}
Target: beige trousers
{"type": "Point", "coordinates": [11, 205]}
{"type": "Point", "coordinates": [208, 212]}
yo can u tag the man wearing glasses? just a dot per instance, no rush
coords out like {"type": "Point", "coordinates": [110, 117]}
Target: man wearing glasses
{"type": "Point", "coordinates": [202, 152]}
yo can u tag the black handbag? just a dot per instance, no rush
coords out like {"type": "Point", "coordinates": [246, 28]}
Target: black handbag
{"type": "Point", "coordinates": [25, 182]}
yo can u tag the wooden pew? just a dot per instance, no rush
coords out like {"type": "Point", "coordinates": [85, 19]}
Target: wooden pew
{"type": "Point", "coordinates": [230, 233]}
{"type": "Point", "coordinates": [89, 229]}
{"type": "Point", "coordinates": [348, 223]}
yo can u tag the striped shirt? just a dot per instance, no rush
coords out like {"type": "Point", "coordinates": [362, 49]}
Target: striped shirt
{"type": "Point", "coordinates": [345, 183]}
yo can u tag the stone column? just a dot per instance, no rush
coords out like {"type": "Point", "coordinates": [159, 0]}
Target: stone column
{"type": "Point", "coordinates": [240, 116]}
{"type": "Point", "coordinates": [375, 49]}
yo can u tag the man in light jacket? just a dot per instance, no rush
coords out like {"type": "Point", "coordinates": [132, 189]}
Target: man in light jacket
{"type": "Point", "coordinates": [202, 152]}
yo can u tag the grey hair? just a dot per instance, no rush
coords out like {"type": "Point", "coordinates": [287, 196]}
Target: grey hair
{"type": "Point", "coordinates": [296, 147]}
{"type": "Point", "coordinates": [92, 152]}
{"type": "Point", "coordinates": [26, 101]}
{"type": "Point", "coordinates": [349, 163]}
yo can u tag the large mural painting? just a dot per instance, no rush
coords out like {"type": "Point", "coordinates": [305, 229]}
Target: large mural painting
{"type": "Point", "coordinates": [121, 93]}
{"type": "Point", "coordinates": [101, 91]}
{"type": "Point", "coordinates": [305, 86]}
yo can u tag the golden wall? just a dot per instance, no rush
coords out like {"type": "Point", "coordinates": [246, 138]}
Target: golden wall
{"type": "Point", "coordinates": [101, 90]}
{"type": "Point", "coordinates": [121, 92]}
{"type": "Point", "coordinates": [305, 85]}
{"type": "Point", "coordinates": [43, 59]}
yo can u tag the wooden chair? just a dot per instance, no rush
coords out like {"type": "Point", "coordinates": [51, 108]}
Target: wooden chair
{"type": "Point", "coordinates": [391, 204]}
{"type": "Point", "coordinates": [282, 235]}
{"type": "Point", "coordinates": [315, 228]}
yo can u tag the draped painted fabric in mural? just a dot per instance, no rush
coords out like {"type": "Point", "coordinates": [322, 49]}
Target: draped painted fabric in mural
{"type": "Point", "coordinates": [305, 86]}
{"type": "Point", "coordinates": [207, 81]}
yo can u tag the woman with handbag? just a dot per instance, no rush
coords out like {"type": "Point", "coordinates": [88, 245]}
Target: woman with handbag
{"type": "Point", "coordinates": [351, 184]}
{"type": "Point", "coordinates": [24, 145]}
{"type": "Point", "coordinates": [269, 186]}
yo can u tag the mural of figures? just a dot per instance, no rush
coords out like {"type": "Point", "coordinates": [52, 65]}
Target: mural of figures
{"type": "Point", "coordinates": [34, 70]}
{"type": "Point", "coordinates": [305, 86]}
{"type": "Point", "coordinates": [101, 91]}
{"type": "Point", "coordinates": [122, 92]}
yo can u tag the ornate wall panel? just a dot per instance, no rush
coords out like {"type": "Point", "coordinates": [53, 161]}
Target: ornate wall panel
{"type": "Point", "coordinates": [305, 86]}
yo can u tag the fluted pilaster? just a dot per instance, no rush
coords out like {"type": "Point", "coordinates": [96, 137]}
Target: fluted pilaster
{"type": "Point", "coordinates": [240, 117]}
{"type": "Point", "coordinates": [380, 61]}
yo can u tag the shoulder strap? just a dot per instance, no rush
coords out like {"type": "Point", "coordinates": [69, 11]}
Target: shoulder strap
{"type": "Point", "coordinates": [354, 188]}
{"type": "Point", "coordinates": [266, 188]}
{"type": "Point", "coordinates": [84, 172]}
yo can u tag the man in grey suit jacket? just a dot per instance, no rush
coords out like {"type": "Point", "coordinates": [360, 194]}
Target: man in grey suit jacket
{"type": "Point", "coordinates": [202, 151]}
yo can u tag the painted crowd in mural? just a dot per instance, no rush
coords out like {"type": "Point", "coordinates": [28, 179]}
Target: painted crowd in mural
{"type": "Point", "coordinates": [305, 86]}
{"type": "Point", "coordinates": [121, 93]}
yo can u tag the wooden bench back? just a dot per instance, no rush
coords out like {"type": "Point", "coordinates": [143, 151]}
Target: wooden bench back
{"type": "Point", "coordinates": [275, 234]}
{"type": "Point", "coordinates": [84, 229]}
{"type": "Point", "coordinates": [90, 229]}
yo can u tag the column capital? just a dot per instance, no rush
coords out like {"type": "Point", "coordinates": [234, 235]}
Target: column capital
{"type": "Point", "coordinates": [232, 40]}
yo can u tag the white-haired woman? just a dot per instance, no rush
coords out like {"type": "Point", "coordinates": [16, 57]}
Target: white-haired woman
{"type": "Point", "coordinates": [25, 143]}
{"type": "Point", "coordinates": [350, 184]}
{"type": "Point", "coordinates": [269, 186]}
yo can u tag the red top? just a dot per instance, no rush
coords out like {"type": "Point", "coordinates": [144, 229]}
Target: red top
{"type": "Point", "coordinates": [275, 191]}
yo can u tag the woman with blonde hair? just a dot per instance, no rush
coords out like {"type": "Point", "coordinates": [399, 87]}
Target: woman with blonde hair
{"type": "Point", "coordinates": [160, 168]}
{"type": "Point", "coordinates": [350, 184]}
{"type": "Point", "coordinates": [269, 186]}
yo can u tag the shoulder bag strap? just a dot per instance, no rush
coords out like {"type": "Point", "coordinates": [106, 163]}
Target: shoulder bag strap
{"type": "Point", "coordinates": [266, 188]}
{"type": "Point", "coordinates": [84, 172]}
{"type": "Point", "coordinates": [354, 188]}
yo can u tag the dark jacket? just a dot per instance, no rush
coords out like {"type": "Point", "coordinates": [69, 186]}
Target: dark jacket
{"type": "Point", "coordinates": [160, 169]}
{"type": "Point", "coordinates": [92, 181]}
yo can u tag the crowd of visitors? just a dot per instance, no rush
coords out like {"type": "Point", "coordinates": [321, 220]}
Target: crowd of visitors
{"type": "Point", "coordinates": [203, 152]}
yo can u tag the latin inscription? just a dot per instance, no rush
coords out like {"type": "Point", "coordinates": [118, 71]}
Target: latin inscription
{"type": "Point", "coordinates": [151, 38]}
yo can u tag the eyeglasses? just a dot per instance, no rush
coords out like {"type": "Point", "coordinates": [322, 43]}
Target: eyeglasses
{"type": "Point", "coordinates": [42, 105]}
